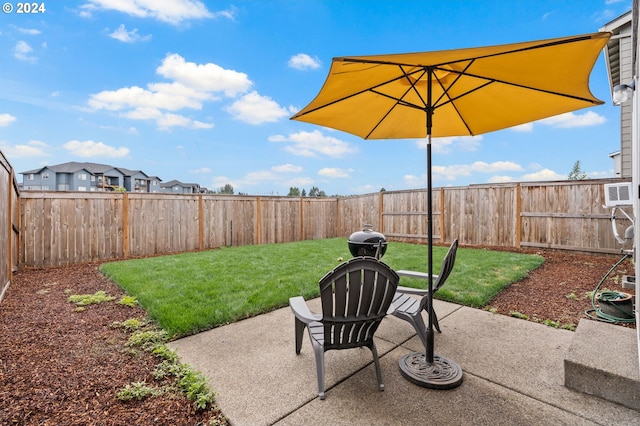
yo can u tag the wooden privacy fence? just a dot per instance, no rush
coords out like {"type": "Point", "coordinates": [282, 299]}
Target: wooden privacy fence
{"type": "Point", "coordinates": [59, 228]}
{"type": "Point", "coordinates": [9, 224]}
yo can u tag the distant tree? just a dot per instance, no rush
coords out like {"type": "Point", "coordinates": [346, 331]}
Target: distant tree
{"type": "Point", "coordinates": [577, 173]}
{"type": "Point", "coordinates": [294, 191]}
{"type": "Point", "coordinates": [304, 193]}
{"type": "Point", "coordinates": [382, 189]}
{"type": "Point", "coordinates": [227, 189]}
{"type": "Point", "coordinates": [315, 192]}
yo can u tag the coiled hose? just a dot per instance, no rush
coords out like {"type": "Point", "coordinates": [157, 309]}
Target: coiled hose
{"type": "Point", "coordinates": [596, 313]}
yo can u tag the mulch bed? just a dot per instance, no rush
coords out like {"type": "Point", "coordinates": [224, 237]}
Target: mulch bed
{"type": "Point", "coordinates": [59, 366]}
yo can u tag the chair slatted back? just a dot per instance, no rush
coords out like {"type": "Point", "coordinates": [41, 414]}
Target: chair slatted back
{"type": "Point", "coordinates": [445, 270]}
{"type": "Point", "coordinates": [355, 297]}
{"type": "Point", "coordinates": [447, 265]}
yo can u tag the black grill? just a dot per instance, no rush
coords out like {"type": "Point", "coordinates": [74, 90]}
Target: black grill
{"type": "Point", "coordinates": [367, 243]}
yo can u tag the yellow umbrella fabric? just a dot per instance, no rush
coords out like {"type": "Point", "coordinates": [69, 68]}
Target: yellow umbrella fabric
{"type": "Point", "coordinates": [474, 90]}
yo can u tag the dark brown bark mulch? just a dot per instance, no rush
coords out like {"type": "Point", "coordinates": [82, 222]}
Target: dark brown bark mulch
{"type": "Point", "coordinates": [62, 367]}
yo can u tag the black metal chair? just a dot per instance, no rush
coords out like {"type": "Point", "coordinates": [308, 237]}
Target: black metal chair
{"type": "Point", "coordinates": [410, 308]}
{"type": "Point", "coordinates": [355, 297]}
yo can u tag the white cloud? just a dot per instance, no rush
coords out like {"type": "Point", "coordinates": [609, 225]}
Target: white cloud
{"type": "Point", "coordinates": [28, 31]}
{"type": "Point", "coordinates": [286, 168]}
{"type": "Point", "coordinates": [333, 172]}
{"type": "Point", "coordinates": [277, 176]}
{"type": "Point", "coordinates": [525, 128]}
{"type": "Point", "coordinates": [253, 108]}
{"type": "Point", "coordinates": [544, 174]}
{"type": "Point", "coordinates": [312, 144]}
{"type": "Point", "coordinates": [302, 61]}
{"type": "Point", "coordinates": [168, 120]}
{"type": "Point", "coordinates": [22, 51]}
{"type": "Point", "coordinates": [173, 12]}
{"type": "Point", "coordinates": [6, 119]}
{"type": "Point", "coordinates": [204, 77]}
{"type": "Point", "coordinates": [33, 148]}
{"type": "Point", "coordinates": [571, 119]}
{"type": "Point", "coordinates": [454, 171]}
{"type": "Point", "coordinates": [121, 34]}
{"type": "Point", "coordinates": [451, 144]}
{"type": "Point", "coordinates": [191, 85]}
{"type": "Point", "coordinates": [171, 96]}
{"type": "Point", "coordinates": [500, 179]}
{"type": "Point", "coordinates": [94, 149]}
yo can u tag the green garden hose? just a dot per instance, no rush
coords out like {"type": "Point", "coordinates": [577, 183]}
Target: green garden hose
{"type": "Point", "coordinates": [596, 313]}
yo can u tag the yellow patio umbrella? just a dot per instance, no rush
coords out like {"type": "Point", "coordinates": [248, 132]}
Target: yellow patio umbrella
{"type": "Point", "coordinates": [454, 93]}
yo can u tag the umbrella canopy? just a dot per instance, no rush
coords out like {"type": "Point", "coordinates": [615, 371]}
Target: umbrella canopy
{"type": "Point", "coordinates": [453, 93]}
{"type": "Point", "coordinates": [473, 91]}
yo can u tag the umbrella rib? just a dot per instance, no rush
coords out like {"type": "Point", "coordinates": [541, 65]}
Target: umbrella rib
{"type": "Point", "coordinates": [363, 60]}
{"type": "Point", "coordinates": [368, 89]}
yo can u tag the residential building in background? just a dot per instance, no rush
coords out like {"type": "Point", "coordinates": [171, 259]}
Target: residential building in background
{"type": "Point", "coordinates": [75, 176]}
{"type": "Point", "coordinates": [618, 55]}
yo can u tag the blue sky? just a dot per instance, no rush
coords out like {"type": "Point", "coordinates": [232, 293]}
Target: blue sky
{"type": "Point", "coordinates": [202, 91]}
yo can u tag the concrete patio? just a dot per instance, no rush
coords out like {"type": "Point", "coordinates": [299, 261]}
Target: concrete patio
{"type": "Point", "coordinates": [514, 374]}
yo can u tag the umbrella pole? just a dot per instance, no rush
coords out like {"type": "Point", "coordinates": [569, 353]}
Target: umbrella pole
{"type": "Point", "coordinates": [430, 335]}
{"type": "Point", "coordinates": [425, 368]}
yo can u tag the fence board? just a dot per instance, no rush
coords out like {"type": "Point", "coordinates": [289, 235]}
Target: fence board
{"type": "Point", "coordinates": [9, 224]}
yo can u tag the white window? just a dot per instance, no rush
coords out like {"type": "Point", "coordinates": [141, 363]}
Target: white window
{"type": "Point", "coordinates": [82, 176]}
{"type": "Point", "coordinates": [45, 187]}
{"type": "Point", "coordinates": [82, 188]}
{"type": "Point", "coordinates": [31, 176]}
{"type": "Point", "coordinates": [93, 178]}
{"type": "Point", "coordinates": [45, 176]}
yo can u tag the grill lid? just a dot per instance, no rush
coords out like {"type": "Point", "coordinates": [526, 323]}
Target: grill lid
{"type": "Point", "coordinates": [367, 235]}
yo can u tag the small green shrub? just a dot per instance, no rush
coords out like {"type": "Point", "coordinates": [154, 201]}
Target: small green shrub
{"type": "Point", "coordinates": [129, 325]}
{"type": "Point", "coordinates": [517, 314]}
{"type": "Point", "coordinates": [165, 353]}
{"type": "Point", "coordinates": [189, 382]}
{"type": "Point", "coordinates": [147, 339]}
{"type": "Point", "coordinates": [128, 301]}
{"type": "Point", "coordinates": [137, 390]}
{"type": "Point", "coordinates": [90, 299]}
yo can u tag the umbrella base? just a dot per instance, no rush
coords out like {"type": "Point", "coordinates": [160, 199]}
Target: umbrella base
{"type": "Point", "coordinates": [443, 373]}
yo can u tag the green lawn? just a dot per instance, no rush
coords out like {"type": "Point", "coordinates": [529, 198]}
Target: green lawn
{"type": "Point", "coordinates": [191, 292]}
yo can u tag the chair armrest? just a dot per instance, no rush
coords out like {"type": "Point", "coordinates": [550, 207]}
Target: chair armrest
{"type": "Point", "coordinates": [410, 290]}
{"type": "Point", "coordinates": [301, 310]}
{"type": "Point", "coordinates": [415, 274]}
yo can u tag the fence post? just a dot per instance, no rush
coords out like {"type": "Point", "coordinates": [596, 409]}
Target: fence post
{"type": "Point", "coordinates": [338, 224]}
{"type": "Point", "coordinates": [518, 215]}
{"type": "Point", "coordinates": [200, 223]}
{"type": "Point", "coordinates": [258, 238]}
{"type": "Point", "coordinates": [442, 233]}
{"type": "Point", "coordinates": [10, 225]}
{"type": "Point", "coordinates": [301, 218]}
{"type": "Point", "coordinates": [380, 208]}
{"type": "Point", "coordinates": [125, 225]}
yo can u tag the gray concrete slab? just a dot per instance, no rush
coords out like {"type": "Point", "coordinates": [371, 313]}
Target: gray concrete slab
{"type": "Point", "coordinates": [513, 374]}
{"type": "Point", "coordinates": [475, 402]}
